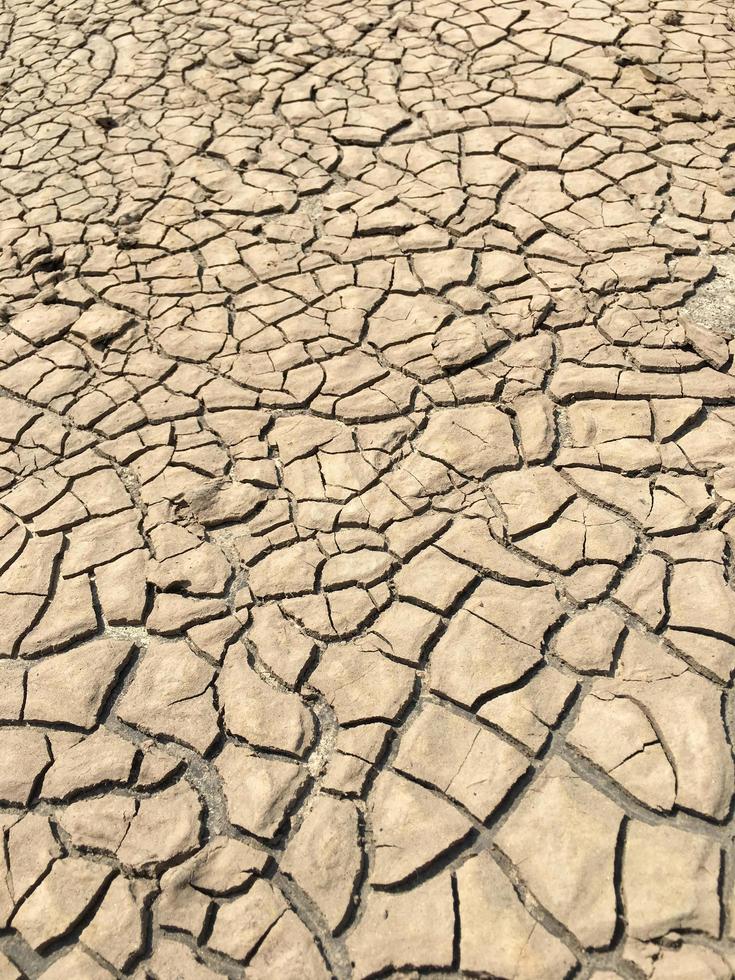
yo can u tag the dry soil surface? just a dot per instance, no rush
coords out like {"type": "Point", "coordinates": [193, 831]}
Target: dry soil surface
{"type": "Point", "coordinates": [367, 489]}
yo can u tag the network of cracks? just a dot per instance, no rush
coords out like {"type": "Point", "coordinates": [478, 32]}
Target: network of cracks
{"type": "Point", "coordinates": [367, 489]}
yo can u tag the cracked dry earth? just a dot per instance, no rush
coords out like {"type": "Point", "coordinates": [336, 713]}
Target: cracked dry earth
{"type": "Point", "coordinates": [367, 468]}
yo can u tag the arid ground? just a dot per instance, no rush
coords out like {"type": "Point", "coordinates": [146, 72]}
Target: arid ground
{"type": "Point", "coordinates": [367, 489]}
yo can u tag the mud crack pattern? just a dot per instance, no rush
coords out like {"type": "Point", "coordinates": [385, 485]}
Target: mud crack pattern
{"type": "Point", "coordinates": [367, 489]}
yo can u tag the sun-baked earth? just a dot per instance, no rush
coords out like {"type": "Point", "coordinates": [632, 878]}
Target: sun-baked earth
{"type": "Point", "coordinates": [367, 489]}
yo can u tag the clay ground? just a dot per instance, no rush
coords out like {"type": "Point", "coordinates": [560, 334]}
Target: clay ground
{"type": "Point", "coordinates": [367, 489]}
